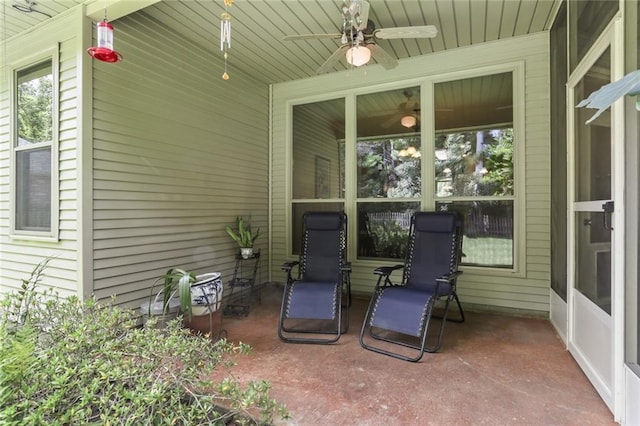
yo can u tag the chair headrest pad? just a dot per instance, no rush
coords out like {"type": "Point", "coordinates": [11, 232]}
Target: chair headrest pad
{"type": "Point", "coordinates": [323, 220]}
{"type": "Point", "coordinates": [444, 222]}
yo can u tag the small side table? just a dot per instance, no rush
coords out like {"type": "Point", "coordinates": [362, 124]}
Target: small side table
{"type": "Point", "coordinates": [242, 284]}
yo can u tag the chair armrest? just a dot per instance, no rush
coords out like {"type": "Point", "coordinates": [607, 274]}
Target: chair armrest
{"type": "Point", "coordinates": [447, 279]}
{"type": "Point", "coordinates": [288, 266]}
{"type": "Point", "coordinates": [387, 270]}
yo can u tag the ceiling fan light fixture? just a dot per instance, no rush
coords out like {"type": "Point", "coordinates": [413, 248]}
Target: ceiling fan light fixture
{"type": "Point", "coordinates": [358, 55]}
{"type": "Point", "coordinates": [408, 121]}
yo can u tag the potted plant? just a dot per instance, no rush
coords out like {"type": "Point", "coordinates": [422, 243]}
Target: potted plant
{"type": "Point", "coordinates": [243, 236]}
{"type": "Point", "coordinates": [182, 291]}
{"type": "Point", "coordinates": [174, 295]}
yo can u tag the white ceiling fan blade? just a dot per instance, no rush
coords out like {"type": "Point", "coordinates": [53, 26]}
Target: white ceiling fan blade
{"type": "Point", "coordinates": [425, 31]}
{"type": "Point", "coordinates": [328, 65]}
{"type": "Point", "coordinates": [382, 57]}
{"type": "Point", "coordinates": [311, 36]}
{"type": "Point", "coordinates": [394, 119]}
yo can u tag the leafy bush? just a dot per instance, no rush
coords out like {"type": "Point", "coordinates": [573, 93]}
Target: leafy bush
{"type": "Point", "coordinates": [63, 361]}
{"type": "Point", "coordinates": [392, 240]}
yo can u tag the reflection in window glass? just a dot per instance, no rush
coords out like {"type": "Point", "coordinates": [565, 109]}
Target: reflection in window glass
{"type": "Point", "coordinates": [34, 118]}
{"type": "Point", "coordinates": [298, 210]}
{"type": "Point", "coordinates": [35, 104]}
{"type": "Point", "coordinates": [474, 164]}
{"type": "Point", "coordinates": [487, 231]}
{"type": "Point", "coordinates": [389, 167]}
{"type": "Point", "coordinates": [470, 163]}
{"type": "Point", "coordinates": [383, 229]}
{"type": "Point", "coordinates": [318, 150]}
{"type": "Point", "coordinates": [392, 112]}
{"type": "Point", "coordinates": [389, 158]}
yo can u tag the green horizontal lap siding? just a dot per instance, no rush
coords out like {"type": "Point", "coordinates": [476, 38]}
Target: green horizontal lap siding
{"type": "Point", "coordinates": [177, 154]}
{"type": "Point", "coordinates": [18, 257]}
{"type": "Point", "coordinates": [527, 288]}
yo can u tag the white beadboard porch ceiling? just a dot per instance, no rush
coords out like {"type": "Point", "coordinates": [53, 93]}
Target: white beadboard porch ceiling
{"type": "Point", "coordinates": [258, 27]}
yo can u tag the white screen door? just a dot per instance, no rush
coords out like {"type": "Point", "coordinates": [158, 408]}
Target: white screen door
{"type": "Point", "coordinates": [592, 227]}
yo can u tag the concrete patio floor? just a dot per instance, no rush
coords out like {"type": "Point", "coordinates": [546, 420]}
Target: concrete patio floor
{"type": "Point", "coordinates": [492, 370]}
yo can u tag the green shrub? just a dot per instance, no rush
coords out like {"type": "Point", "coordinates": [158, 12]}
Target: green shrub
{"type": "Point", "coordinates": [63, 361]}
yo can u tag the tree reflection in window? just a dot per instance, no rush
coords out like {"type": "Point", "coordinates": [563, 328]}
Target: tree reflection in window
{"type": "Point", "coordinates": [474, 163]}
{"type": "Point", "coordinates": [389, 167]}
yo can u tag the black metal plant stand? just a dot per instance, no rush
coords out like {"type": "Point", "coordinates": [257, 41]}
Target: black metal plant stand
{"type": "Point", "coordinates": [242, 284]}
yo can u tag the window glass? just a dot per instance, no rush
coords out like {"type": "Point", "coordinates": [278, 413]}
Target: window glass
{"type": "Point", "coordinates": [33, 145]}
{"type": "Point", "coordinates": [383, 229]}
{"type": "Point", "coordinates": [389, 166]}
{"type": "Point", "coordinates": [318, 161]}
{"type": "Point", "coordinates": [477, 162]}
{"type": "Point", "coordinates": [35, 104]}
{"type": "Point", "coordinates": [487, 231]}
{"type": "Point", "coordinates": [474, 164]}
{"type": "Point", "coordinates": [318, 150]}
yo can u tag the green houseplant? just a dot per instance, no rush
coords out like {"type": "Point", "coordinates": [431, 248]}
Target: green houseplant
{"type": "Point", "coordinates": [244, 236]}
{"type": "Point", "coordinates": [163, 303]}
{"type": "Point", "coordinates": [183, 291]}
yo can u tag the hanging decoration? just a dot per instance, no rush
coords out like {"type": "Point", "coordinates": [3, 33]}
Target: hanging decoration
{"type": "Point", "coordinates": [104, 50]}
{"type": "Point", "coordinates": [352, 15]}
{"type": "Point", "coordinates": [225, 35]}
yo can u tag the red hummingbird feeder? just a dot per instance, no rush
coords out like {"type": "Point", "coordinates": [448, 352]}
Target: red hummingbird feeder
{"type": "Point", "coordinates": [104, 50]}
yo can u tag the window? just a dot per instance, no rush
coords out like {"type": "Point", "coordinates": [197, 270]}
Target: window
{"type": "Point", "coordinates": [474, 167]}
{"type": "Point", "coordinates": [33, 141]}
{"type": "Point", "coordinates": [388, 157]}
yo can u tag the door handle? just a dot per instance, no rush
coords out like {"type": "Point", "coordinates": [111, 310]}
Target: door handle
{"type": "Point", "coordinates": [608, 209]}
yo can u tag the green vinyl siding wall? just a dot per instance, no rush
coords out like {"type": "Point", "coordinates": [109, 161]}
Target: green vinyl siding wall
{"type": "Point", "coordinates": [167, 155]}
{"type": "Point", "coordinates": [177, 154]}
{"type": "Point", "coordinates": [527, 287]}
{"type": "Point", "coordinates": [18, 256]}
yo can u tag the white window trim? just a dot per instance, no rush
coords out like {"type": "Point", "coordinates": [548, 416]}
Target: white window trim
{"type": "Point", "coordinates": [51, 54]}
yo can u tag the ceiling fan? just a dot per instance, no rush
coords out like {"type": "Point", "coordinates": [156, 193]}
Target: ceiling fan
{"type": "Point", "coordinates": [359, 38]}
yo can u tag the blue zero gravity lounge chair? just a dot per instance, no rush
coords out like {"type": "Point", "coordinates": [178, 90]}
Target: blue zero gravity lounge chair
{"type": "Point", "coordinates": [401, 313]}
{"type": "Point", "coordinates": [313, 301]}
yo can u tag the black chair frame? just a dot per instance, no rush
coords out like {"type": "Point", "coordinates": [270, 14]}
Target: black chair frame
{"type": "Point", "coordinates": [444, 290]}
{"type": "Point", "coordinates": [342, 298]}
